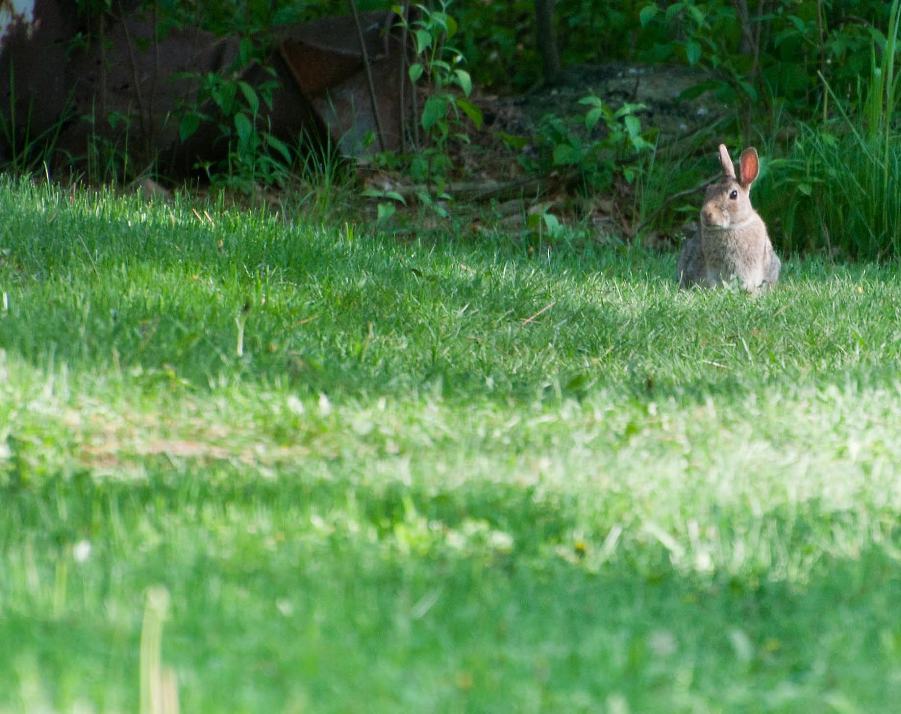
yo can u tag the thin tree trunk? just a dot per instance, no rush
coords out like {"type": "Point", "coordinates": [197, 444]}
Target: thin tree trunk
{"type": "Point", "coordinates": [547, 40]}
{"type": "Point", "coordinates": [747, 33]}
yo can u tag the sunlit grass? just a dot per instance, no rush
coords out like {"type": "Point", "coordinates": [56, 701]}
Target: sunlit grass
{"type": "Point", "coordinates": [439, 476]}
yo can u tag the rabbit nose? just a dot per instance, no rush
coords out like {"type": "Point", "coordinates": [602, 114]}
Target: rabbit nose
{"type": "Point", "coordinates": [707, 216]}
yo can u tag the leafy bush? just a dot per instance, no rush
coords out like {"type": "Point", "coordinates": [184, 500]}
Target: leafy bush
{"type": "Point", "coordinates": [772, 58]}
{"type": "Point", "coordinates": [595, 157]}
{"type": "Point", "coordinates": [254, 155]}
{"type": "Point", "coordinates": [775, 52]}
{"type": "Point", "coordinates": [447, 110]}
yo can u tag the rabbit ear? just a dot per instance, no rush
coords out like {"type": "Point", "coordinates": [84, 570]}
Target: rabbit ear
{"type": "Point", "coordinates": [750, 166]}
{"type": "Point", "coordinates": [726, 161]}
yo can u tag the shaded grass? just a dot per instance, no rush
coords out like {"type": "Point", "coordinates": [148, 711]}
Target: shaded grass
{"type": "Point", "coordinates": [411, 492]}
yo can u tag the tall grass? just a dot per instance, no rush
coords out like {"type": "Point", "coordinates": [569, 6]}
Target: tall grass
{"type": "Point", "coordinates": [839, 189]}
{"type": "Point", "coordinates": [839, 195]}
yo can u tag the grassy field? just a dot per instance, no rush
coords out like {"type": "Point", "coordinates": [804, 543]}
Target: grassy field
{"type": "Point", "coordinates": [314, 469]}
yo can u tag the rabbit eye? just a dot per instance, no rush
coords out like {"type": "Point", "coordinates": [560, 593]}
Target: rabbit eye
{"type": "Point", "coordinates": [733, 194]}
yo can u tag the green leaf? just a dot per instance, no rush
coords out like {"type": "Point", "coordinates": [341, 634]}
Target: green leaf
{"type": "Point", "coordinates": [393, 195]}
{"type": "Point", "coordinates": [748, 89]}
{"type": "Point", "coordinates": [591, 101]}
{"type": "Point", "coordinates": [697, 15]}
{"type": "Point", "coordinates": [439, 18]}
{"type": "Point", "coordinates": [799, 24]}
{"type": "Point", "coordinates": [464, 80]}
{"type": "Point", "coordinates": [279, 146]}
{"type": "Point", "coordinates": [593, 117]}
{"type": "Point", "coordinates": [674, 10]}
{"type": "Point", "coordinates": [434, 110]}
{"type": "Point", "coordinates": [224, 95]}
{"type": "Point", "coordinates": [423, 41]}
{"type": "Point", "coordinates": [244, 127]}
{"type": "Point", "coordinates": [415, 72]}
{"type": "Point", "coordinates": [692, 52]}
{"type": "Point", "coordinates": [385, 211]}
{"type": "Point", "coordinates": [189, 124]}
{"type": "Point", "coordinates": [648, 12]}
{"type": "Point", "coordinates": [633, 126]}
{"type": "Point", "coordinates": [514, 141]}
{"type": "Point", "coordinates": [696, 90]}
{"type": "Point", "coordinates": [245, 51]}
{"type": "Point", "coordinates": [471, 111]}
{"type": "Point", "coordinates": [566, 155]}
{"type": "Point", "coordinates": [452, 26]}
{"type": "Point", "coordinates": [630, 108]}
{"type": "Point", "coordinates": [250, 94]}
{"type": "Point", "coordinates": [553, 225]}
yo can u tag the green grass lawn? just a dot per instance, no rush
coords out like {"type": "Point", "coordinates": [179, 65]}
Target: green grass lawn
{"type": "Point", "coordinates": [442, 476]}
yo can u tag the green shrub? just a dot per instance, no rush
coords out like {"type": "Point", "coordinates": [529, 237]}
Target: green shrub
{"type": "Point", "coordinates": [839, 189]}
{"type": "Point", "coordinates": [594, 148]}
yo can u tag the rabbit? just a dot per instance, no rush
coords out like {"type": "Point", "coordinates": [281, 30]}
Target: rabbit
{"type": "Point", "coordinates": [732, 243]}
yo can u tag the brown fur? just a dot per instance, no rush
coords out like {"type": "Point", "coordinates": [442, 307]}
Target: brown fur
{"type": "Point", "coordinates": [732, 242]}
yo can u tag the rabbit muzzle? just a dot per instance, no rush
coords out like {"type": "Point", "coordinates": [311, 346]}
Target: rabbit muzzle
{"type": "Point", "coordinates": [712, 217]}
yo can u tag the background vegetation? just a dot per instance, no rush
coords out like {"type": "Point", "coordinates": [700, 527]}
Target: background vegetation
{"type": "Point", "coordinates": [812, 83]}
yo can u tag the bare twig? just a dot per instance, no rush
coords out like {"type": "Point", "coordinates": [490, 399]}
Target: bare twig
{"type": "Point", "coordinates": [821, 34]}
{"type": "Point", "coordinates": [369, 80]}
{"type": "Point", "coordinates": [744, 21]}
{"type": "Point", "coordinates": [414, 99]}
{"type": "Point", "coordinates": [672, 198]}
{"type": "Point", "coordinates": [103, 70]}
{"type": "Point", "coordinates": [403, 76]}
{"type": "Point", "coordinates": [539, 313]}
{"type": "Point", "coordinates": [156, 63]}
{"type": "Point", "coordinates": [758, 30]}
{"type": "Point", "coordinates": [749, 49]}
{"type": "Point", "coordinates": [479, 190]}
{"type": "Point", "coordinates": [680, 147]}
{"type": "Point", "coordinates": [134, 75]}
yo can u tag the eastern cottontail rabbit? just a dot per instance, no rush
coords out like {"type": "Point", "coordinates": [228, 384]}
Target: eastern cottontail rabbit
{"type": "Point", "coordinates": [732, 242]}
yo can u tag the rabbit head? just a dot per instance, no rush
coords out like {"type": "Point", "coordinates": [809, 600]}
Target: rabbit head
{"type": "Point", "coordinates": [727, 202]}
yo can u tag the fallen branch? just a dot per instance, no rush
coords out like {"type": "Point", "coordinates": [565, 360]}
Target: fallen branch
{"type": "Point", "coordinates": [479, 190]}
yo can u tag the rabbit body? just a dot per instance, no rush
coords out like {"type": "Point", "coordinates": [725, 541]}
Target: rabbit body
{"type": "Point", "coordinates": [732, 242]}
